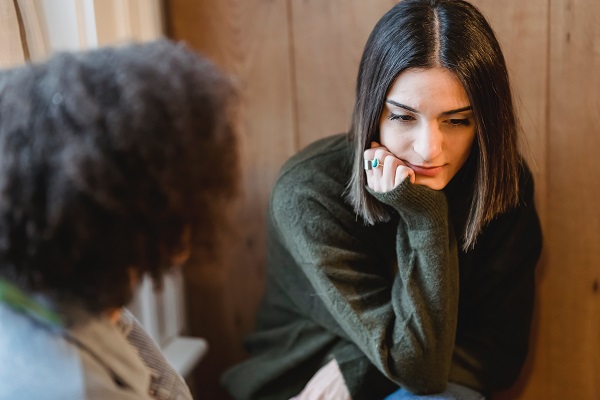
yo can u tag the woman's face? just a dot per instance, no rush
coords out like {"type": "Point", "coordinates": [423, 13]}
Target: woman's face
{"type": "Point", "coordinates": [428, 123]}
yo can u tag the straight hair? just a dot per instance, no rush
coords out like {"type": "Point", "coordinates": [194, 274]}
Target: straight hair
{"type": "Point", "coordinates": [454, 35]}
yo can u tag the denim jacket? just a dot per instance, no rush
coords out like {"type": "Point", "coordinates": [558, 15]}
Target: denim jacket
{"type": "Point", "coordinates": [89, 359]}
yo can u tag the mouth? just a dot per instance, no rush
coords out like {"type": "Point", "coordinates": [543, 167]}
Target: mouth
{"type": "Point", "coordinates": [426, 171]}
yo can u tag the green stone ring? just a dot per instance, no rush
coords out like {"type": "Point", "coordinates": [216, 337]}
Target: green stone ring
{"type": "Point", "coordinates": [370, 164]}
{"type": "Point", "coordinates": [377, 163]}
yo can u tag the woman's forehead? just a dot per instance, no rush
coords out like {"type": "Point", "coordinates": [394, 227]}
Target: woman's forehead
{"type": "Point", "coordinates": [428, 89]}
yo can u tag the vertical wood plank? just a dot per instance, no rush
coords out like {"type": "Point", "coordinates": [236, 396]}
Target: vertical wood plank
{"type": "Point", "coordinates": [113, 24]}
{"type": "Point", "coordinates": [121, 21]}
{"type": "Point", "coordinates": [568, 364]}
{"type": "Point", "coordinates": [248, 38]}
{"type": "Point", "coordinates": [522, 30]}
{"type": "Point", "coordinates": [328, 41]}
{"type": "Point", "coordinates": [11, 47]}
{"type": "Point", "coordinates": [34, 25]}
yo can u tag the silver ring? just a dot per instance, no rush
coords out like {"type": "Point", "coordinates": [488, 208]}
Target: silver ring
{"type": "Point", "coordinates": [368, 165]}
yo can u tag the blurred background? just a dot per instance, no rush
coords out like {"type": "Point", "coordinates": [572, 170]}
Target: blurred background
{"type": "Point", "coordinates": [295, 64]}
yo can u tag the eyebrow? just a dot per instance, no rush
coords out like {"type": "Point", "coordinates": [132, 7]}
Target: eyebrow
{"type": "Point", "coordinates": [449, 112]}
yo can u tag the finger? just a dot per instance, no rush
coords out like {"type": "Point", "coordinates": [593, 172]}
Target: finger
{"type": "Point", "coordinates": [382, 176]}
{"type": "Point", "coordinates": [369, 154]}
{"type": "Point", "coordinates": [380, 154]}
{"type": "Point", "coordinates": [388, 176]}
{"type": "Point", "coordinates": [402, 172]}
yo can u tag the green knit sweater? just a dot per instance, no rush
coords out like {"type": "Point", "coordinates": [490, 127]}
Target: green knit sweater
{"type": "Point", "coordinates": [397, 303]}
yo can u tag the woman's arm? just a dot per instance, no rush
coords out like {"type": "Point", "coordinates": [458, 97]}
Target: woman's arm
{"type": "Point", "coordinates": [406, 324]}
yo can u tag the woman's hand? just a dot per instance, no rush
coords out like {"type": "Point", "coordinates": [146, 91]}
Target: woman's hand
{"type": "Point", "coordinates": [394, 171]}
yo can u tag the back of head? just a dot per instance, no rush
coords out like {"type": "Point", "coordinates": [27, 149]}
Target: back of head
{"type": "Point", "coordinates": [107, 158]}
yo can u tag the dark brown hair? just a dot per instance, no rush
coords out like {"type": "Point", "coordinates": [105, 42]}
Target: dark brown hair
{"type": "Point", "coordinates": [106, 158]}
{"type": "Point", "coordinates": [454, 35]}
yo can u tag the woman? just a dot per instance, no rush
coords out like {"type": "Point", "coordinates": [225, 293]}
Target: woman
{"type": "Point", "coordinates": [106, 175]}
{"type": "Point", "coordinates": [401, 262]}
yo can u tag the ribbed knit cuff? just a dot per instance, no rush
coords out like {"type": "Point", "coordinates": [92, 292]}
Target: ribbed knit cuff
{"type": "Point", "coordinates": [421, 207]}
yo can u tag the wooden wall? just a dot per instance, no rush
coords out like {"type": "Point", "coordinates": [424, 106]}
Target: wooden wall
{"type": "Point", "coordinates": [296, 64]}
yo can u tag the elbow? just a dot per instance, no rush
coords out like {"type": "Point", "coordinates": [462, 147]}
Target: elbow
{"type": "Point", "coordinates": [423, 376]}
{"type": "Point", "coordinates": [428, 382]}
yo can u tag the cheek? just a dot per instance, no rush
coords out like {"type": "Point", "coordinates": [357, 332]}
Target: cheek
{"type": "Point", "coordinates": [397, 142]}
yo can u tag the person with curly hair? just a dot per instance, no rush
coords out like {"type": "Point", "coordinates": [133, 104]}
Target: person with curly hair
{"type": "Point", "coordinates": [109, 171]}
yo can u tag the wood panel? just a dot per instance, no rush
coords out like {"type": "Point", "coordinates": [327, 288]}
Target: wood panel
{"type": "Point", "coordinates": [11, 46]}
{"type": "Point", "coordinates": [522, 30]}
{"type": "Point", "coordinates": [250, 39]}
{"type": "Point", "coordinates": [34, 25]}
{"type": "Point", "coordinates": [567, 364]}
{"type": "Point", "coordinates": [121, 21]}
{"type": "Point", "coordinates": [328, 39]}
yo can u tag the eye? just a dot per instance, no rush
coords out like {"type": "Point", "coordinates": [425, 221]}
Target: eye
{"type": "Point", "coordinates": [459, 122]}
{"type": "Point", "coordinates": [401, 118]}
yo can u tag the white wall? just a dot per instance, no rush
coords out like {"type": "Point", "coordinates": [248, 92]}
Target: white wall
{"type": "Point", "coordinates": [70, 24]}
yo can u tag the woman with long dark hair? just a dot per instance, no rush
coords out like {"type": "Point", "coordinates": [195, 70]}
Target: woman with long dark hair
{"type": "Point", "coordinates": [401, 256]}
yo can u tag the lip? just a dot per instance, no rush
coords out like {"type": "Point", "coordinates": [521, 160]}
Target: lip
{"type": "Point", "coordinates": [426, 171]}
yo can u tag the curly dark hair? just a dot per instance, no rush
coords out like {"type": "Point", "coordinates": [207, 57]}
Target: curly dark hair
{"type": "Point", "coordinates": [107, 158]}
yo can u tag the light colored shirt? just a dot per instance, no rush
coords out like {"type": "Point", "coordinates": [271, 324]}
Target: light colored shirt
{"type": "Point", "coordinates": [91, 359]}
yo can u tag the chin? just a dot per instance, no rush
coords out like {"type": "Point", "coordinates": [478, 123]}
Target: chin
{"type": "Point", "coordinates": [434, 184]}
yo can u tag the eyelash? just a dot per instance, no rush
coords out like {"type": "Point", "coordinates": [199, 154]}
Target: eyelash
{"type": "Point", "coordinates": [402, 118]}
{"type": "Point", "coordinates": [408, 118]}
{"type": "Point", "coordinates": [460, 122]}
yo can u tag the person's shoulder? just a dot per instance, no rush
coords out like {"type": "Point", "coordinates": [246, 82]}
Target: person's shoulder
{"type": "Point", "coordinates": [332, 152]}
{"type": "Point", "coordinates": [327, 159]}
{"type": "Point", "coordinates": [519, 220]}
{"type": "Point", "coordinates": [526, 183]}
{"type": "Point", "coordinates": [37, 354]}
{"type": "Point", "coordinates": [313, 179]}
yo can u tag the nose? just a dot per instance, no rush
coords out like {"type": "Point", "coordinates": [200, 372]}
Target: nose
{"type": "Point", "coordinates": [428, 142]}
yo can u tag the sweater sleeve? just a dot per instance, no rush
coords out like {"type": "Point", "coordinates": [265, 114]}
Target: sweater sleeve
{"type": "Point", "coordinates": [404, 324]}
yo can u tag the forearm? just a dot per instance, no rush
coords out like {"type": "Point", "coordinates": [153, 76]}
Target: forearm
{"type": "Point", "coordinates": [405, 327]}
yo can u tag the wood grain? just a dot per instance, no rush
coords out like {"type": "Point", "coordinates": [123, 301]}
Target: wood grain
{"type": "Point", "coordinates": [11, 46]}
{"type": "Point", "coordinates": [249, 39]}
{"type": "Point", "coordinates": [567, 363]}
{"type": "Point", "coordinates": [522, 30]}
{"type": "Point", "coordinates": [35, 29]}
{"type": "Point", "coordinates": [328, 41]}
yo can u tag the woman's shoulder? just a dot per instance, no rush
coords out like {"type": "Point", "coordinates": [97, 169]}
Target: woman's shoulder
{"type": "Point", "coordinates": [520, 220]}
{"type": "Point", "coordinates": [315, 179]}
{"type": "Point", "coordinates": [330, 156]}
{"type": "Point", "coordinates": [526, 184]}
